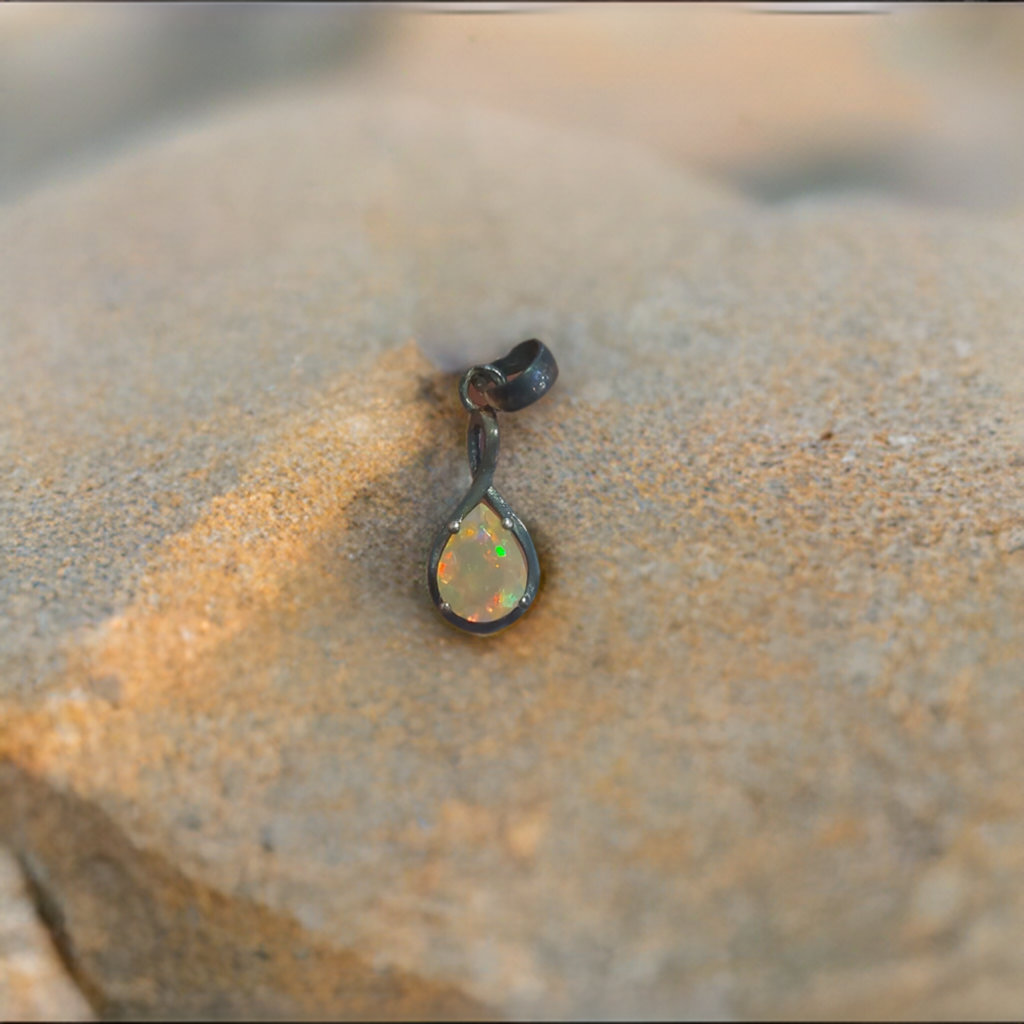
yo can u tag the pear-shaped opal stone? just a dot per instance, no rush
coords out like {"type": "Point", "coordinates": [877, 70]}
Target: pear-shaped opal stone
{"type": "Point", "coordinates": [482, 572]}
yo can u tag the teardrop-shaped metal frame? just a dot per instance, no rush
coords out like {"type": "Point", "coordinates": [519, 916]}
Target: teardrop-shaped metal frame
{"type": "Point", "coordinates": [482, 444]}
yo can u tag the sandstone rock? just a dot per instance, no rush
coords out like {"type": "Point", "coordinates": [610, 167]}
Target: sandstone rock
{"type": "Point", "coordinates": [33, 982]}
{"type": "Point", "coordinates": [767, 705]}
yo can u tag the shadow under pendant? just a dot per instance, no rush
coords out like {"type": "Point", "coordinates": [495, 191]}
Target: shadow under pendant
{"type": "Point", "coordinates": [483, 571]}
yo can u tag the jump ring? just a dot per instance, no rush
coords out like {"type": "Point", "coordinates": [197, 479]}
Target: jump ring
{"type": "Point", "coordinates": [470, 377]}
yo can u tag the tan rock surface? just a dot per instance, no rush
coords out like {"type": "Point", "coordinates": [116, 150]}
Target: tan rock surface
{"type": "Point", "coordinates": [755, 750]}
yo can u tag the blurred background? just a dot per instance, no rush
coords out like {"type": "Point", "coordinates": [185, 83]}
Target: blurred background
{"type": "Point", "coordinates": [922, 102]}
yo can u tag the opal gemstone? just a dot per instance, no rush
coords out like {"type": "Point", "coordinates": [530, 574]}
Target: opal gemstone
{"type": "Point", "coordinates": [482, 572]}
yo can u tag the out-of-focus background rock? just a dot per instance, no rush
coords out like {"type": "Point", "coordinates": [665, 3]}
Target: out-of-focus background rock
{"type": "Point", "coordinates": [755, 751]}
{"type": "Point", "coordinates": [922, 103]}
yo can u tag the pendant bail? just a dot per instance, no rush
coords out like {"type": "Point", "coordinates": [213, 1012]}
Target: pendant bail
{"type": "Point", "coordinates": [516, 380]}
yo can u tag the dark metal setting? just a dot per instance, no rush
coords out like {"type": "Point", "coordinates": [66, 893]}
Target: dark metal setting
{"type": "Point", "coordinates": [509, 384]}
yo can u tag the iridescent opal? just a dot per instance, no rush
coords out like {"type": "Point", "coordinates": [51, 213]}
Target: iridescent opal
{"type": "Point", "coordinates": [482, 572]}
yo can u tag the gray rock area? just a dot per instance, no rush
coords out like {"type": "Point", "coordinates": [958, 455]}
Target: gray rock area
{"type": "Point", "coordinates": [756, 749]}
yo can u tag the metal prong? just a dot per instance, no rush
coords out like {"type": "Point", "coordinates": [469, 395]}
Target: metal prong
{"type": "Point", "coordinates": [445, 606]}
{"type": "Point", "coordinates": [507, 522]}
{"type": "Point", "coordinates": [525, 600]}
{"type": "Point", "coordinates": [454, 526]}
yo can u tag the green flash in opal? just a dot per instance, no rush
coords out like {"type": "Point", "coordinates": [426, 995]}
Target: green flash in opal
{"type": "Point", "coordinates": [482, 571]}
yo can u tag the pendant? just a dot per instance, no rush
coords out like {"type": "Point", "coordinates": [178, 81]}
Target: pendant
{"type": "Point", "coordinates": [483, 571]}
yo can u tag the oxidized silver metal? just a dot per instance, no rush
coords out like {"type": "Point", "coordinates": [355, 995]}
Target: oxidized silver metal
{"type": "Point", "coordinates": [509, 384]}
